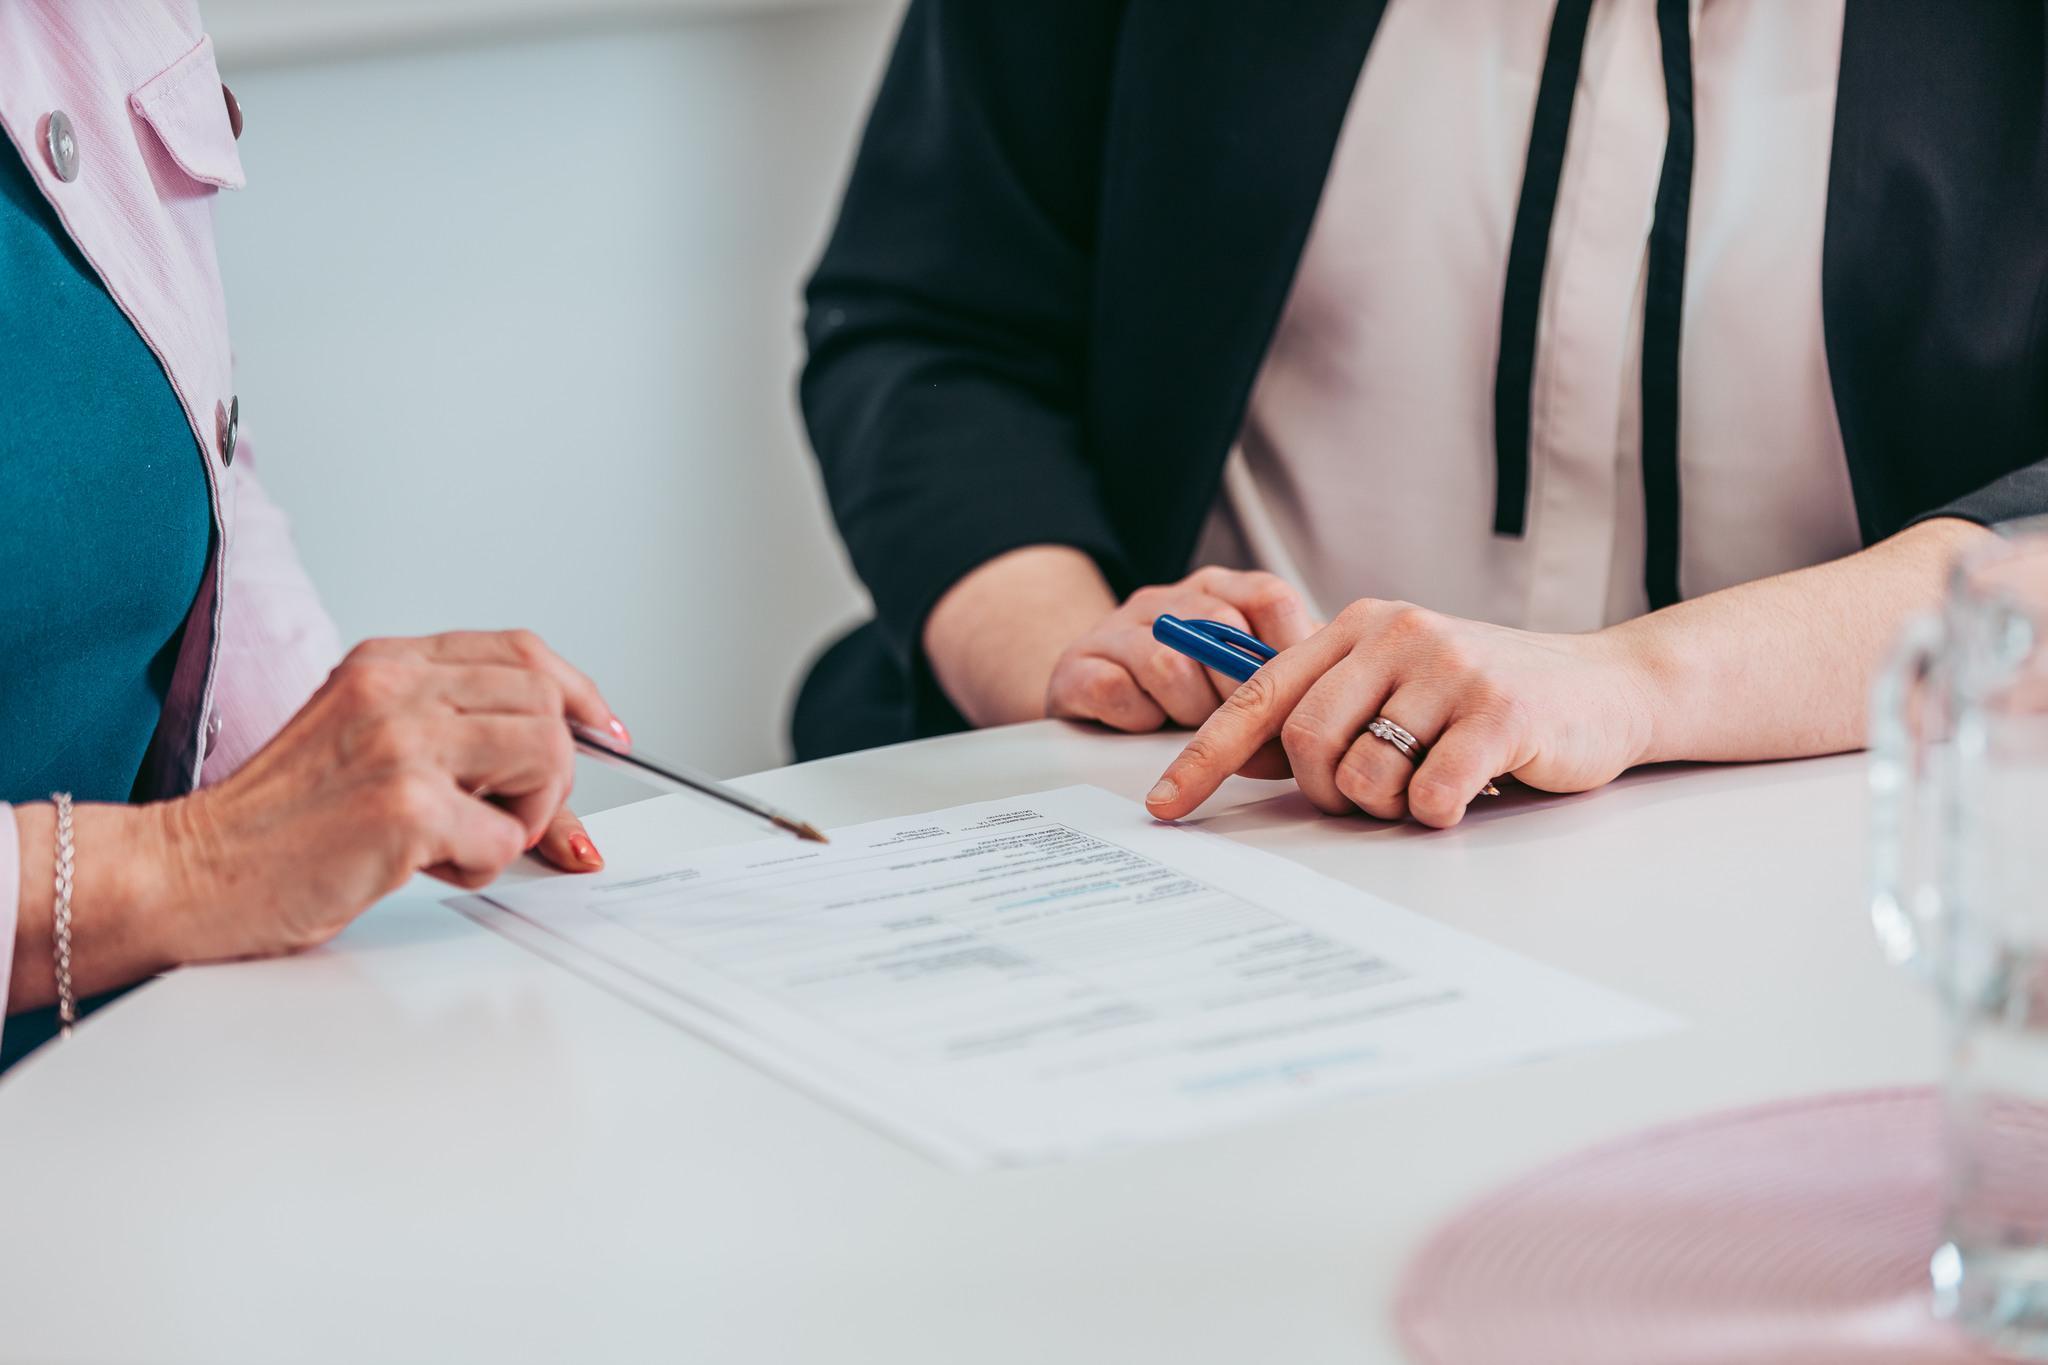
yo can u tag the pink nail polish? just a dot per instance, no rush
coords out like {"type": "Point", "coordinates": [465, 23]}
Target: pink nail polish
{"type": "Point", "coordinates": [584, 851]}
{"type": "Point", "coordinates": [625, 736]}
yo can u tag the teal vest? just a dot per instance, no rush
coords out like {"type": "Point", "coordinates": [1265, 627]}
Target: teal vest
{"type": "Point", "coordinates": [105, 521]}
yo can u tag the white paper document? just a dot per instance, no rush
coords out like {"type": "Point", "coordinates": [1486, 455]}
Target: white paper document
{"type": "Point", "coordinates": [1032, 978]}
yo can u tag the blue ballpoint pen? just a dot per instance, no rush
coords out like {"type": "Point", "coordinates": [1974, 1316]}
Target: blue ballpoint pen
{"type": "Point", "coordinates": [1228, 650]}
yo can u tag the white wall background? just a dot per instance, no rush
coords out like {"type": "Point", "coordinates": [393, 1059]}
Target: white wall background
{"type": "Point", "coordinates": [516, 322]}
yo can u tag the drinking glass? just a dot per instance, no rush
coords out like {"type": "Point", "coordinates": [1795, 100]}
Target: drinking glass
{"type": "Point", "coordinates": [1959, 777]}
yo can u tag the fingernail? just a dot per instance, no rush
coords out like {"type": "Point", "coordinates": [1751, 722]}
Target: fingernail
{"type": "Point", "coordinates": [618, 728]}
{"type": "Point", "coordinates": [584, 851]}
{"type": "Point", "coordinates": [1163, 793]}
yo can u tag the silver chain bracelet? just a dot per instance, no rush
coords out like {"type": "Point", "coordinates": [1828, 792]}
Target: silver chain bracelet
{"type": "Point", "coordinates": [67, 1003]}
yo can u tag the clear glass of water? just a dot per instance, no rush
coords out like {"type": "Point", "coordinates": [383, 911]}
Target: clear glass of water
{"type": "Point", "coordinates": [1960, 780]}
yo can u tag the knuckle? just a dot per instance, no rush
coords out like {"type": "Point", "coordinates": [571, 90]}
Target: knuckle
{"type": "Point", "coordinates": [1388, 806]}
{"type": "Point", "coordinates": [1200, 752]}
{"type": "Point", "coordinates": [410, 798]}
{"type": "Point", "coordinates": [1484, 695]}
{"type": "Point", "coordinates": [1448, 663]}
{"type": "Point", "coordinates": [1409, 622]}
{"type": "Point", "coordinates": [1100, 688]}
{"type": "Point", "coordinates": [1253, 699]}
{"type": "Point", "coordinates": [1356, 766]}
{"type": "Point", "coordinates": [526, 644]}
{"type": "Point", "coordinates": [1063, 695]}
{"type": "Point", "coordinates": [1434, 795]}
{"type": "Point", "coordinates": [1266, 591]}
{"type": "Point", "coordinates": [1304, 734]}
{"type": "Point", "coordinates": [1359, 614]}
{"type": "Point", "coordinates": [370, 683]}
{"type": "Point", "coordinates": [1437, 805]}
{"type": "Point", "coordinates": [1160, 669]}
{"type": "Point", "coordinates": [1148, 601]}
{"type": "Point", "coordinates": [548, 694]}
{"type": "Point", "coordinates": [1351, 780]}
{"type": "Point", "coordinates": [1377, 797]}
{"type": "Point", "coordinates": [365, 651]}
{"type": "Point", "coordinates": [1498, 705]}
{"type": "Point", "coordinates": [390, 740]}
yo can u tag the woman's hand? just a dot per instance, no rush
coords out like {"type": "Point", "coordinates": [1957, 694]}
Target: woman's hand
{"type": "Point", "coordinates": [447, 754]}
{"type": "Point", "coordinates": [1559, 712]}
{"type": "Point", "coordinates": [1037, 632]}
{"type": "Point", "coordinates": [1119, 675]}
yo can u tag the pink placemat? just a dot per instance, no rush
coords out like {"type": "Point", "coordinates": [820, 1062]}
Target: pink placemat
{"type": "Point", "coordinates": [1792, 1234]}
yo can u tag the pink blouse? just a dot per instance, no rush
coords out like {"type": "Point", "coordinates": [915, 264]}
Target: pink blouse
{"type": "Point", "coordinates": [152, 142]}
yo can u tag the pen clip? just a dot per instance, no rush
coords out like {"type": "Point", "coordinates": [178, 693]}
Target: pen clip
{"type": "Point", "coordinates": [1231, 635]}
{"type": "Point", "coordinates": [1212, 644]}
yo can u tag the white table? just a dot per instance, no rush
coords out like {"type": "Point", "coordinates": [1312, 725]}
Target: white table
{"type": "Point", "coordinates": [424, 1144]}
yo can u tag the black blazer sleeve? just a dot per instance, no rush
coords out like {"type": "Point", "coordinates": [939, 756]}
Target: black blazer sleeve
{"type": "Point", "coordinates": [2022, 493]}
{"type": "Point", "coordinates": [947, 318]}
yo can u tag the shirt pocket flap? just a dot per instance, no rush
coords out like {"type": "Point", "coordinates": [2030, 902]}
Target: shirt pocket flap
{"type": "Point", "coordinates": [186, 106]}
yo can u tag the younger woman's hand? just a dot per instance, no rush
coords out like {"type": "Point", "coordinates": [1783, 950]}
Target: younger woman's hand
{"type": "Point", "coordinates": [1119, 675]}
{"type": "Point", "coordinates": [447, 754]}
{"type": "Point", "coordinates": [1559, 712]}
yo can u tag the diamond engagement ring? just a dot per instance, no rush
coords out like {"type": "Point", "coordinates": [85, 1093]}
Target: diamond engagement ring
{"type": "Point", "coordinates": [1411, 748]}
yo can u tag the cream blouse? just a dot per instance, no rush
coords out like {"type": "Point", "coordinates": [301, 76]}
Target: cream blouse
{"type": "Point", "coordinates": [1366, 462]}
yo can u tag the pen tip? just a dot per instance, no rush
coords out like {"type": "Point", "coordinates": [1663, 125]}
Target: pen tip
{"type": "Point", "coordinates": [803, 829]}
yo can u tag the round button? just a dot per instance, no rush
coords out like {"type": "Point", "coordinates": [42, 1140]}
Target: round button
{"type": "Point", "coordinates": [228, 422]}
{"type": "Point", "coordinates": [234, 111]}
{"type": "Point", "coordinates": [60, 141]}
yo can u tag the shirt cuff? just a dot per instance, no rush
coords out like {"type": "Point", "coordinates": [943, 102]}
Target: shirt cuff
{"type": "Point", "coordinates": [10, 899]}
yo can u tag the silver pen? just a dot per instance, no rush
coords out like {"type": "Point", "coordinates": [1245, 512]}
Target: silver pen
{"type": "Point", "coordinates": [594, 744]}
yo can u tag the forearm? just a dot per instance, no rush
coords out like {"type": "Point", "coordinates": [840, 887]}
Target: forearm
{"type": "Point", "coordinates": [1782, 667]}
{"type": "Point", "coordinates": [995, 636]}
{"type": "Point", "coordinates": [126, 904]}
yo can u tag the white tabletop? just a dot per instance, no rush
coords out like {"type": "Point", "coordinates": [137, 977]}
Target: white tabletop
{"type": "Point", "coordinates": [422, 1143]}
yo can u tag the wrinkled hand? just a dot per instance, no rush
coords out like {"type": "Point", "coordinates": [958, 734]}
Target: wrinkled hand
{"type": "Point", "coordinates": [1560, 712]}
{"type": "Point", "coordinates": [1119, 675]}
{"type": "Point", "coordinates": [446, 754]}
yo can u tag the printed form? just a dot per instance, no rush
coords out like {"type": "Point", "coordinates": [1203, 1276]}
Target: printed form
{"type": "Point", "coordinates": [1033, 978]}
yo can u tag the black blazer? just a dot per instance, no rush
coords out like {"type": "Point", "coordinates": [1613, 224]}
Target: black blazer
{"type": "Point", "coordinates": [1072, 226]}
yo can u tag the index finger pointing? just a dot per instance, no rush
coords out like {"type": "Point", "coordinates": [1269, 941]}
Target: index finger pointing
{"type": "Point", "coordinates": [1249, 718]}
